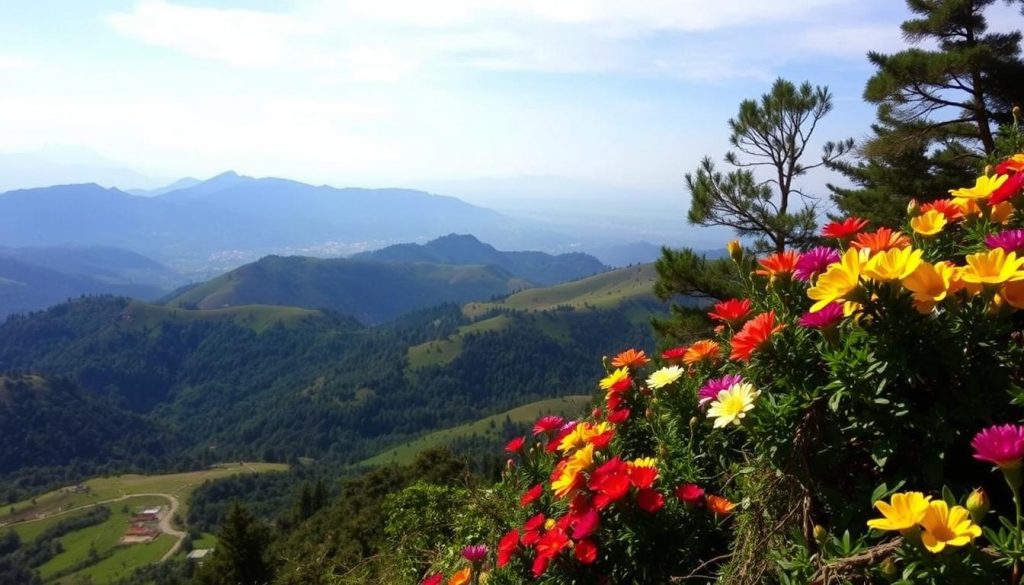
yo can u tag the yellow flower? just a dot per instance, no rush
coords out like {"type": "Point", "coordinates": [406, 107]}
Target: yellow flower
{"type": "Point", "coordinates": [619, 375]}
{"type": "Point", "coordinates": [664, 376]}
{"type": "Point", "coordinates": [929, 284]}
{"type": "Point", "coordinates": [929, 223]}
{"type": "Point", "coordinates": [839, 280]}
{"type": "Point", "coordinates": [732, 404]}
{"type": "Point", "coordinates": [1002, 212]}
{"type": "Point", "coordinates": [893, 264]}
{"type": "Point", "coordinates": [993, 267]}
{"type": "Point", "coordinates": [982, 188]}
{"type": "Point", "coordinates": [645, 462]}
{"type": "Point", "coordinates": [733, 247]}
{"type": "Point", "coordinates": [904, 510]}
{"type": "Point", "coordinates": [581, 435]}
{"type": "Point", "coordinates": [944, 526]}
{"type": "Point", "coordinates": [565, 482]}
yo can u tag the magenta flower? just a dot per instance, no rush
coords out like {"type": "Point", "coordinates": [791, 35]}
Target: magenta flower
{"type": "Point", "coordinates": [1009, 241]}
{"type": "Point", "coordinates": [475, 553]}
{"type": "Point", "coordinates": [815, 261]}
{"type": "Point", "coordinates": [827, 317]}
{"type": "Point", "coordinates": [1002, 445]}
{"type": "Point", "coordinates": [709, 391]}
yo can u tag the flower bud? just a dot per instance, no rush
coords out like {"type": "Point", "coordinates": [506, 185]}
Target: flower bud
{"type": "Point", "coordinates": [735, 249]}
{"type": "Point", "coordinates": [1016, 113]}
{"type": "Point", "coordinates": [694, 421]}
{"type": "Point", "coordinates": [820, 533]}
{"type": "Point", "coordinates": [510, 463]}
{"type": "Point", "coordinates": [978, 505]}
{"type": "Point", "coordinates": [988, 170]}
{"type": "Point", "coordinates": [912, 207]}
{"type": "Point", "coordinates": [888, 567]}
{"type": "Point", "coordinates": [649, 413]}
{"type": "Point", "coordinates": [596, 413]}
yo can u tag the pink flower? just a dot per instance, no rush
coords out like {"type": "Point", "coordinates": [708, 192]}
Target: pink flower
{"type": "Point", "coordinates": [711, 388]}
{"type": "Point", "coordinates": [475, 553]}
{"type": "Point", "coordinates": [827, 317]}
{"type": "Point", "coordinates": [435, 579]}
{"type": "Point", "coordinates": [515, 445]}
{"type": "Point", "coordinates": [1009, 241]}
{"type": "Point", "coordinates": [547, 424]}
{"type": "Point", "coordinates": [815, 261]}
{"type": "Point", "coordinates": [1002, 445]}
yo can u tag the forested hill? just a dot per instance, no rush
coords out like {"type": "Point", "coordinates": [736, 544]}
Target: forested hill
{"type": "Point", "coordinates": [274, 383]}
{"type": "Point", "coordinates": [369, 291]}
{"type": "Point", "coordinates": [537, 267]}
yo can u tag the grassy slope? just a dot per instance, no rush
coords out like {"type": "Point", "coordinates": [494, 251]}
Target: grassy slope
{"type": "Point", "coordinates": [489, 426]}
{"type": "Point", "coordinates": [605, 290]}
{"type": "Point", "coordinates": [443, 351]}
{"type": "Point", "coordinates": [116, 562]}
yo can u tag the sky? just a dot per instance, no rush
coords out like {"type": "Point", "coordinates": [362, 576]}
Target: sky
{"type": "Point", "coordinates": [406, 92]}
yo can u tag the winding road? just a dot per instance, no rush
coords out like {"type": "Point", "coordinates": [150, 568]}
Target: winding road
{"type": "Point", "coordinates": [165, 520]}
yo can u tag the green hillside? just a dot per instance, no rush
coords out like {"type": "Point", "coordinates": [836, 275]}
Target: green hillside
{"type": "Point", "coordinates": [488, 428]}
{"type": "Point", "coordinates": [370, 291]}
{"type": "Point", "coordinates": [602, 291]}
{"type": "Point", "coordinates": [254, 317]}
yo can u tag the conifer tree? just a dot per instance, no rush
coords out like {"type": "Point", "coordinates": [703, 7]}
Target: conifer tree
{"type": "Point", "coordinates": [771, 135]}
{"type": "Point", "coordinates": [240, 556]}
{"type": "Point", "coordinates": [938, 109]}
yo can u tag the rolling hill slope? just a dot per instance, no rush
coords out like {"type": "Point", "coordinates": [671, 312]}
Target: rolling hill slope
{"type": "Point", "coordinates": [370, 291]}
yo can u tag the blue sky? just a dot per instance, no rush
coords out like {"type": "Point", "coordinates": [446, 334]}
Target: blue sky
{"type": "Point", "coordinates": [397, 92]}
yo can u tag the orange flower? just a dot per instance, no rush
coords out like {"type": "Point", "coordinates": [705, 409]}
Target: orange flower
{"type": "Point", "coordinates": [630, 358]}
{"type": "Point", "coordinates": [462, 577]}
{"type": "Point", "coordinates": [881, 240]}
{"type": "Point", "coordinates": [753, 336]}
{"type": "Point", "coordinates": [1014, 164]}
{"type": "Point", "coordinates": [778, 265]}
{"type": "Point", "coordinates": [701, 350]}
{"type": "Point", "coordinates": [720, 506]}
{"type": "Point", "coordinates": [731, 311]}
{"type": "Point", "coordinates": [946, 207]}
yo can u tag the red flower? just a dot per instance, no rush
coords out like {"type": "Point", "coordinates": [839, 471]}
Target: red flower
{"type": "Point", "coordinates": [618, 416]}
{"type": "Point", "coordinates": [690, 494]}
{"type": "Point", "coordinates": [548, 424]}
{"type": "Point", "coordinates": [674, 354]}
{"type": "Point", "coordinates": [515, 445]}
{"type": "Point", "coordinates": [610, 482]}
{"type": "Point", "coordinates": [650, 500]}
{"type": "Point", "coordinates": [614, 401]}
{"type": "Point", "coordinates": [586, 552]}
{"type": "Point", "coordinates": [731, 311]}
{"type": "Point", "coordinates": [585, 523]}
{"type": "Point", "coordinates": [531, 530]}
{"type": "Point", "coordinates": [507, 546]}
{"type": "Point", "coordinates": [754, 335]}
{"type": "Point", "coordinates": [630, 358]}
{"type": "Point", "coordinates": [844, 229]}
{"type": "Point", "coordinates": [1008, 190]}
{"type": "Point", "coordinates": [435, 579]}
{"type": "Point", "coordinates": [601, 441]}
{"type": "Point", "coordinates": [946, 207]}
{"type": "Point", "coordinates": [1014, 164]}
{"type": "Point", "coordinates": [548, 547]}
{"type": "Point", "coordinates": [642, 477]}
{"type": "Point", "coordinates": [531, 495]}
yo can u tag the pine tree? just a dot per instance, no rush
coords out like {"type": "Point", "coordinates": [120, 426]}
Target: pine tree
{"type": "Point", "coordinates": [938, 109]}
{"type": "Point", "coordinates": [771, 134]}
{"type": "Point", "coordinates": [240, 556]}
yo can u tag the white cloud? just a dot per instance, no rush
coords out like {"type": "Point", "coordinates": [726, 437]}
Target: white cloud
{"type": "Point", "coordinates": [393, 40]}
{"type": "Point", "coordinates": [13, 61]}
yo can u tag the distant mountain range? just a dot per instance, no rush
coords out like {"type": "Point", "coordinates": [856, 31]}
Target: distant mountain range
{"type": "Point", "coordinates": [537, 267]}
{"type": "Point", "coordinates": [230, 212]}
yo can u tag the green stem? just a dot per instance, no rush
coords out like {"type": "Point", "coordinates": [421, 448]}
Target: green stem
{"type": "Point", "coordinates": [1013, 479]}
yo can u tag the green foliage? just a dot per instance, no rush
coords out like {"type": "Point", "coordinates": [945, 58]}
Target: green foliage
{"type": "Point", "coordinates": [241, 553]}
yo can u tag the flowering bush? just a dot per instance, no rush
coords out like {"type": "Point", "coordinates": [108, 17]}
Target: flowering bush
{"type": "Point", "coordinates": [838, 427]}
